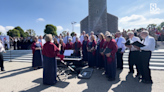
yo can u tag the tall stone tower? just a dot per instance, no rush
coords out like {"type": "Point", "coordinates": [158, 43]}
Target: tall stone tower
{"type": "Point", "coordinates": [98, 19]}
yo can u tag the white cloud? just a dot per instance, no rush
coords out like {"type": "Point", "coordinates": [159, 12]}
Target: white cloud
{"type": "Point", "coordinates": [137, 21]}
{"type": "Point", "coordinates": [135, 8]}
{"type": "Point", "coordinates": [67, 30]}
{"type": "Point", "coordinates": [5, 29]}
{"type": "Point", "coordinates": [40, 20]}
{"type": "Point", "coordinates": [77, 25]}
{"type": "Point", "coordinates": [59, 28]}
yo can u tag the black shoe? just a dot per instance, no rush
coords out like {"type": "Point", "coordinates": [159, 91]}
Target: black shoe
{"type": "Point", "coordinates": [111, 79]}
{"type": "Point", "coordinates": [2, 69]}
{"type": "Point", "coordinates": [147, 82]}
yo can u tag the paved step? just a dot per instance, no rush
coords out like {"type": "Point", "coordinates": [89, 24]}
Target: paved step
{"type": "Point", "coordinates": [156, 61]}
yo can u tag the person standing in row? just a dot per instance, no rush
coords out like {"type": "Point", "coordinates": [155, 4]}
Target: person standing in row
{"type": "Point", "coordinates": [56, 43]}
{"type": "Point", "coordinates": [2, 49]}
{"type": "Point", "coordinates": [145, 54]}
{"type": "Point", "coordinates": [99, 56]}
{"type": "Point", "coordinates": [84, 48]}
{"type": "Point", "coordinates": [82, 37]}
{"type": "Point", "coordinates": [91, 52]}
{"type": "Point", "coordinates": [134, 54]}
{"type": "Point", "coordinates": [66, 39]}
{"type": "Point", "coordinates": [37, 54]}
{"type": "Point", "coordinates": [69, 45]}
{"type": "Point", "coordinates": [77, 47]}
{"type": "Point", "coordinates": [110, 58]}
{"type": "Point", "coordinates": [74, 38]}
{"type": "Point", "coordinates": [121, 49]}
{"type": "Point", "coordinates": [63, 46]}
{"type": "Point", "coordinates": [50, 52]}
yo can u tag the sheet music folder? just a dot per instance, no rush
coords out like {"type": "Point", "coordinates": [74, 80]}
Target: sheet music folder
{"type": "Point", "coordinates": [137, 43]}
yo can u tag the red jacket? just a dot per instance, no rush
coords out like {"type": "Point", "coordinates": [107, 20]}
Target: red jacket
{"type": "Point", "coordinates": [50, 50]}
{"type": "Point", "coordinates": [69, 46]}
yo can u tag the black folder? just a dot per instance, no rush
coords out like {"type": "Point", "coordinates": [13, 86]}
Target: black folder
{"type": "Point", "coordinates": [107, 50]}
{"type": "Point", "coordinates": [128, 42]}
{"type": "Point", "coordinates": [138, 44]}
{"type": "Point", "coordinates": [101, 50]}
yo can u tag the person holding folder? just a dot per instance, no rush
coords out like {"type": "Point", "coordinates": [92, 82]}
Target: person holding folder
{"type": "Point", "coordinates": [134, 54]}
{"type": "Point", "coordinates": [145, 54]}
{"type": "Point", "coordinates": [91, 51]}
{"type": "Point", "coordinates": [121, 49]}
{"type": "Point", "coordinates": [99, 56]}
{"type": "Point", "coordinates": [110, 58]}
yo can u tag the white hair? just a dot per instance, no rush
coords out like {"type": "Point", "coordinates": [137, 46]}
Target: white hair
{"type": "Point", "coordinates": [92, 32]}
{"type": "Point", "coordinates": [145, 32]}
{"type": "Point", "coordinates": [130, 32]}
{"type": "Point", "coordinates": [70, 39]}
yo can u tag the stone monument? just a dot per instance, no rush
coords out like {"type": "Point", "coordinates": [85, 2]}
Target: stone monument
{"type": "Point", "coordinates": [98, 19]}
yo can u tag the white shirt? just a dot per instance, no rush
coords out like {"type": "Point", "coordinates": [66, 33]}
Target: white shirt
{"type": "Point", "coordinates": [74, 39]}
{"type": "Point", "coordinates": [66, 39]}
{"type": "Point", "coordinates": [134, 39]}
{"type": "Point", "coordinates": [94, 36]}
{"type": "Point", "coordinates": [121, 43]}
{"type": "Point", "coordinates": [1, 48]}
{"type": "Point", "coordinates": [81, 38]}
{"type": "Point", "coordinates": [149, 43]}
{"type": "Point", "coordinates": [42, 41]}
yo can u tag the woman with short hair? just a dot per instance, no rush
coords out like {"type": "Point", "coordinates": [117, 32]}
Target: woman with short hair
{"type": "Point", "coordinates": [49, 61]}
{"type": "Point", "coordinates": [37, 54]}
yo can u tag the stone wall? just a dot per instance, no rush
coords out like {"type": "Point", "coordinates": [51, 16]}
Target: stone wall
{"type": "Point", "coordinates": [112, 23]}
{"type": "Point", "coordinates": [84, 25]}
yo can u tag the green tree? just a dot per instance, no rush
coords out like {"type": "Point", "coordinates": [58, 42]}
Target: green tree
{"type": "Point", "coordinates": [64, 33]}
{"type": "Point", "coordinates": [162, 25]}
{"type": "Point", "coordinates": [152, 26]}
{"type": "Point", "coordinates": [21, 31]}
{"type": "Point", "coordinates": [30, 32]}
{"type": "Point", "coordinates": [50, 29]}
{"type": "Point", "coordinates": [73, 34]}
{"type": "Point", "coordinates": [13, 33]}
{"type": "Point", "coordinates": [0, 33]}
{"type": "Point", "coordinates": [159, 28]}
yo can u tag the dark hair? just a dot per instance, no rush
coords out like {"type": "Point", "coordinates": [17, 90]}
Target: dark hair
{"type": "Point", "coordinates": [109, 36]}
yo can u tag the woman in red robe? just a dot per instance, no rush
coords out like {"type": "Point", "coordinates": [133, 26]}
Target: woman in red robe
{"type": "Point", "coordinates": [50, 52]}
{"type": "Point", "coordinates": [77, 47]}
{"type": "Point", "coordinates": [110, 58]}
{"type": "Point", "coordinates": [91, 52]}
{"type": "Point", "coordinates": [69, 45]}
{"type": "Point", "coordinates": [37, 54]}
{"type": "Point", "coordinates": [63, 47]}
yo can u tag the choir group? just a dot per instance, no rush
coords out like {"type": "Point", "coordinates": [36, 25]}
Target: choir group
{"type": "Point", "coordinates": [103, 52]}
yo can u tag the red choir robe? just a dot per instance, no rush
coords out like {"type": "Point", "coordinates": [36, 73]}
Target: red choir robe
{"type": "Point", "coordinates": [102, 43]}
{"type": "Point", "coordinates": [33, 46]}
{"type": "Point", "coordinates": [78, 46]}
{"type": "Point", "coordinates": [50, 49]}
{"type": "Point", "coordinates": [93, 45]}
{"type": "Point", "coordinates": [57, 44]}
{"type": "Point", "coordinates": [113, 46]}
{"type": "Point", "coordinates": [69, 46]}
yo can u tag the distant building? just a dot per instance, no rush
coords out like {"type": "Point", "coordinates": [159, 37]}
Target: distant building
{"type": "Point", "coordinates": [98, 19]}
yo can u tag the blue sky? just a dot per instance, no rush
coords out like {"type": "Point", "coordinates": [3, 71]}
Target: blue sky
{"type": "Point", "coordinates": [35, 14]}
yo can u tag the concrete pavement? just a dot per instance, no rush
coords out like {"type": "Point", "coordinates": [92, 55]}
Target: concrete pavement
{"type": "Point", "coordinates": [19, 77]}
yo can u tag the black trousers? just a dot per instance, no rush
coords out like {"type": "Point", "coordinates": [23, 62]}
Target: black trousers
{"type": "Point", "coordinates": [119, 60]}
{"type": "Point", "coordinates": [134, 59]}
{"type": "Point", "coordinates": [1, 60]}
{"type": "Point", "coordinates": [145, 59]}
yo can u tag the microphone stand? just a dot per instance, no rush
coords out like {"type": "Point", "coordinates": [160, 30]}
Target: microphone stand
{"type": "Point", "coordinates": [10, 52]}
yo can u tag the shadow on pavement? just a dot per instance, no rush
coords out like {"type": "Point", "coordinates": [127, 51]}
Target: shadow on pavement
{"type": "Point", "coordinates": [132, 85]}
{"type": "Point", "coordinates": [98, 82]}
{"type": "Point", "coordinates": [15, 70]}
{"type": "Point", "coordinates": [24, 70]}
{"type": "Point", "coordinates": [59, 84]}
